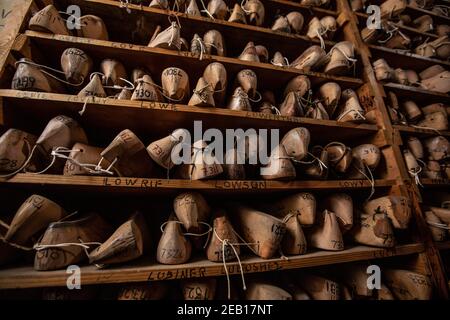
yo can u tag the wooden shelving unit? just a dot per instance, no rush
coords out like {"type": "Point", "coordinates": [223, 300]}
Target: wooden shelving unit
{"type": "Point", "coordinates": [105, 117]}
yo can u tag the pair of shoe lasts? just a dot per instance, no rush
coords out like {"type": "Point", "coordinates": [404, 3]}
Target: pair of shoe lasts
{"type": "Point", "coordinates": [254, 53]}
{"type": "Point", "coordinates": [434, 116]}
{"type": "Point", "coordinates": [397, 284]}
{"type": "Point", "coordinates": [294, 104]}
{"type": "Point", "coordinates": [30, 220]}
{"type": "Point", "coordinates": [174, 86]}
{"type": "Point", "coordinates": [26, 151]}
{"type": "Point", "coordinates": [50, 21]}
{"type": "Point", "coordinates": [438, 148]}
{"type": "Point", "coordinates": [76, 66]}
{"type": "Point", "coordinates": [263, 233]}
{"type": "Point", "coordinates": [353, 162]}
{"type": "Point", "coordinates": [388, 36]}
{"type": "Point", "coordinates": [384, 72]}
{"type": "Point", "coordinates": [212, 43]}
{"type": "Point", "coordinates": [375, 227]}
{"type": "Point", "coordinates": [168, 38]}
{"type": "Point", "coordinates": [338, 61]}
{"type": "Point", "coordinates": [293, 147]}
{"type": "Point", "coordinates": [296, 211]}
{"type": "Point", "coordinates": [438, 220]}
{"type": "Point", "coordinates": [215, 75]}
{"type": "Point", "coordinates": [246, 84]}
{"type": "Point", "coordinates": [203, 165]}
{"type": "Point", "coordinates": [350, 110]}
{"type": "Point", "coordinates": [327, 227]}
{"type": "Point", "coordinates": [408, 285]}
{"type": "Point", "coordinates": [435, 78]}
{"type": "Point", "coordinates": [213, 84]}
{"type": "Point", "coordinates": [291, 23]}
{"type": "Point", "coordinates": [439, 48]}
{"type": "Point", "coordinates": [192, 212]}
{"type": "Point", "coordinates": [130, 241]}
{"type": "Point", "coordinates": [252, 8]}
{"type": "Point", "coordinates": [321, 29]}
{"type": "Point", "coordinates": [438, 83]}
{"type": "Point", "coordinates": [424, 23]}
{"type": "Point", "coordinates": [126, 156]}
{"type": "Point", "coordinates": [218, 9]}
{"type": "Point", "coordinates": [334, 221]}
{"type": "Point", "coordinates": [365, 160]}
{"type": "Point", "coordinates": [109, 80]}
{"type": "Point", "coordinates": [64, 242]}
{"type": "Point", "coordinates": [435, 170]}
{"type": "Point", "coordinates": [415, 152]}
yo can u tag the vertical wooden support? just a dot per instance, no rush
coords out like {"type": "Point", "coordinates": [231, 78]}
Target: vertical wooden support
{"type": "Point", "coordinates": [372, 95]}
{"type": "Point", "coordinates": [12, 17]}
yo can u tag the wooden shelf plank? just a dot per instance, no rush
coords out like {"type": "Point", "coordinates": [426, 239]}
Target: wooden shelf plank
{"type": "Point", "coordinates": [152, 185]}
{"type": "Point", "coordinates": [156, 59]}
{"type": "Point", "coordinates": [419, 95]}
{"type": "Point", "coordinates": [26, 277]}
{"type": "Point", "coordinates": [443, 245]}
{"type": "Point", "coordinates": [274, 41]}
{"type": "Point", "coordinates": [420, 131]}
{"type": "Point", "coordinates": [406, 60]}
{"type": "Point", "coordinates": [135, 115]}
{"type": "Point", "coordinates": [435, 182]}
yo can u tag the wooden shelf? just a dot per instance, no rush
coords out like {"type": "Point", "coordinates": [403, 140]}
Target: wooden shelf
{"type": "Point", "coordinates": [156, 60]}
{"type": "Point", "coordinates": [154, 185]}
{"type": "Point", "coordinates": [291, 45]}
{"type": "Point", "coordinates": [112, 114]}
{"type": "Point", "coordinates": [27, 277]}
{"type": "Point", "coordinates": [422, 132]}
{"type": "Point", "coordinates": [435, 182]}
{"type": "Point", "coordinates": [443, 245]}
{"type": "Point", "coordinates": [406, 60]}
{"type": "Point", "coordinates": [419, 95]}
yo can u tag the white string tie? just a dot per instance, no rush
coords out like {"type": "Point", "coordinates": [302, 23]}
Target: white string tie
{"type": "Point", "coordinates": [226, 242]}
{"type": "Point", "coordinates": [41, 66]}
{"type": "Point", "coordinates": [206, 10]}
{"type": "Point", "coordinates": [415, 173]}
